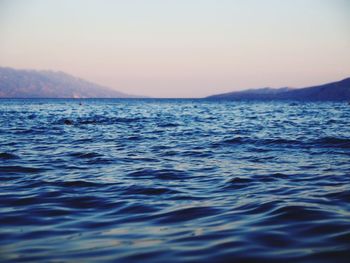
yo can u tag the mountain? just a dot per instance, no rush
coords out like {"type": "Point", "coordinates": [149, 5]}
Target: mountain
{"type": "Point", "coordinates": [335, 91]}
{"type": "Point", "coordinates": [50, 84]}
{"type": "Point", "coordinates": [253, 94]}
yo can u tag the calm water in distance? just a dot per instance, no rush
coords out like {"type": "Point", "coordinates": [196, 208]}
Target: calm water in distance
{"type": "Point", "coordinates": [174, 181]}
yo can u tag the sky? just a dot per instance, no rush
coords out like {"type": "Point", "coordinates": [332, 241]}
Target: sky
{"type": "Point", "coordinates": [180, 48]}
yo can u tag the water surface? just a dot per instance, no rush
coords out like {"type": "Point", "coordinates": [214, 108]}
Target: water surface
{"type": "Point", "coordinates": [174, 181]}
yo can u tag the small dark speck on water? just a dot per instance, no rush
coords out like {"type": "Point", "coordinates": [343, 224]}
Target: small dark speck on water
{"type": "Point", "coordinates": [68, 122]}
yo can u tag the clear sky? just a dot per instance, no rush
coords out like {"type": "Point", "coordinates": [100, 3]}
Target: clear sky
{"type": "Point", "coordinates": [180, 48]}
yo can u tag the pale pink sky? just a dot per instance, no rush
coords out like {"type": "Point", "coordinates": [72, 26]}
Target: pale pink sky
{"type": "Point", "coordinates": [180, 48]}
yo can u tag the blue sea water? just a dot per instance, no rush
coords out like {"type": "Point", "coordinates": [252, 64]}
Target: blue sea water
{"type": "Point", "coordinates": [174, 181]}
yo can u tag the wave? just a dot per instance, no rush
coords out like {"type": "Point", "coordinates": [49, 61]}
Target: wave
{"type": "Point", "coordinates": [85, 155]}
{"type": "Point", "coordinates": [161, 174]}
{"type": "Point", "coordinates": [8, 156]}
{"type": "Point", "coordinates": [150, 191]}
{"type": "Point", "coordinates": [98, 120]}
{"type": "Point", "coordinates": [186, 214]}
{"type": "Point", "coordinates": [329, 142]}
{"type": "Point", "coordinates": [238, 183]}
{"type": "Point", "coordinates": [333, 142]}
{"type": "Point", "coordinates": [21, 169]}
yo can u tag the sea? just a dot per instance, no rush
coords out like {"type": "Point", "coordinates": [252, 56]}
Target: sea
{"type": "Point", "coordinates": [174, 180]}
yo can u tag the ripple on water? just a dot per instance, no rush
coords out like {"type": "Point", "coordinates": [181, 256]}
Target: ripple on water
{"type": "Point", "coordinates": [85, 155]}
{"type": "Point", "coordinates": [161, 174]}
{"type": "Point", "coordinates": [150, 191]}
{"type": "Point", "coordinates": [20, 169]}
{"type": "Point", "coordinates": [186, 214]}
{"type": "Point", "coordinates": [333, 142]}
{"type": "Point", "coordinates": [8, 156]}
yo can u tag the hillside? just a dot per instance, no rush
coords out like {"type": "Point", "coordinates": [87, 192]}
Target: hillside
{"type": "Point", "coordinates": [334, 91]}
{"type": "Point", "coordinates": [50, 84]}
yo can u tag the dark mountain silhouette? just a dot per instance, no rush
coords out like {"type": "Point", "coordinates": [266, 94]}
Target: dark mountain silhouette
{"type": "Point", "coordinates": [335, 91]}
{"type": "Point", "coordinates": [50, 84]}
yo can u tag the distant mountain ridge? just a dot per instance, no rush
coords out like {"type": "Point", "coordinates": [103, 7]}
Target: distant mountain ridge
{"type": "Point", "coordinates": [15, 83]}
{"type": "Point", "coordinates": [334, 91]}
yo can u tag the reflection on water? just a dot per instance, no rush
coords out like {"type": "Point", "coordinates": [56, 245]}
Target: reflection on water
{"type": "Point", "coordinates": [174, 180]}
